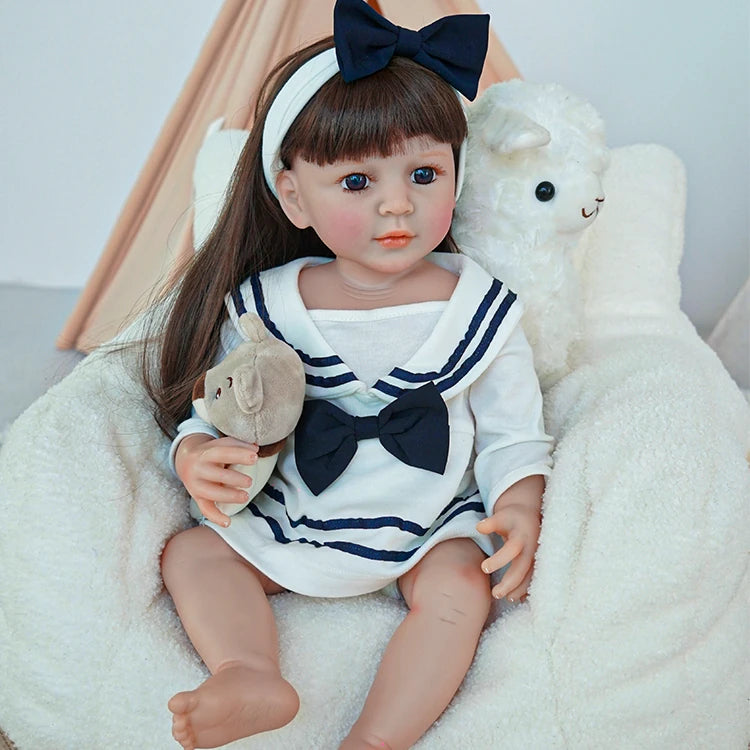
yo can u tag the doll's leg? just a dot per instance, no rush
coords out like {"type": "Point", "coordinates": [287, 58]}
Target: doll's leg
{"type": "Point", "coordinates": [430, 652]}
{"type": "Point", "coordinates": [222, 602]}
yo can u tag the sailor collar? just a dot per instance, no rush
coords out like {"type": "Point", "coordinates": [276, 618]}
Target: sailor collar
{"type": "Point", "coordinates": [476, 322]}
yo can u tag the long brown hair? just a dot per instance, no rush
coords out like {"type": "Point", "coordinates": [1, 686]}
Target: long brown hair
{"type": "Point", "coordinates": [370, 116]}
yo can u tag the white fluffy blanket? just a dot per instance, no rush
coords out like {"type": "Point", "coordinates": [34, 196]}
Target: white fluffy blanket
{"type": "Point", "coordinates": [636, 632]}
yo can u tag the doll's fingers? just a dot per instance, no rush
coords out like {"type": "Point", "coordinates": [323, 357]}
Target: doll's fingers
{"type": "Point", "coordinates": [500, 523]}
{"type": "Point", "coordinates": [491, 525]}
{"type": "Point", "coordinates": [230, 441]}
{"type": "Point", "coordinates": [218, 493]}
{"type": "Point", "coordinates": [510, 550]}
{"type": "Point", "coordinates": [227, 476]}
{"type": "Point", "coordinates": [243, 454]}
{"type": "Point", "coordinates": [234, 478]}
{"type": "Point", "coordinates": [519, 593]}
{"type": "Point", "coordinates": [484, 526]}
{"type": "Point", "coordinates": [212, 513]}
{"type": "Point", "coordinates": [513, 577]}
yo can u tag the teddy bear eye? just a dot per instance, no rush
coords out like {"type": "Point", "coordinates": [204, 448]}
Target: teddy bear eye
{"type": "Point", "coordinates": [545, 191]}
{"type": "Point", "coordinates": [218, 393]}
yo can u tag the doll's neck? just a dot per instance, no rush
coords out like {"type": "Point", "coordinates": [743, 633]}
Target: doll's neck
{"type": "Point", "coordinates": [347, 286]}
{"type": "Point", "coordinates": [363, 285]}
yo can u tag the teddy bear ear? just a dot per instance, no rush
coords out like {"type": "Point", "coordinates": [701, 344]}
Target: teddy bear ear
{"type": "Point", "coordinates": [248, 389]}
{"type": "Point", "coordinates": [509, 130]}
{"type": "Point", "coordinates": [252, 326]}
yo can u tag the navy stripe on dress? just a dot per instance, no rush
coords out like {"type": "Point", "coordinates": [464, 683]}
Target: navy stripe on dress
{"type": "Point", "coordinates": [471, 331]}
{"type": "Point", "coordinates": [378, 522]}
{"type": "Point", "coordinates": [329, 382]}
{"type": "Point", "coordinates": [483, 344]}
{"type": "Point", "coordinates": [351, 548]}
{"type": "Point", "coordinates": [479, 352]}
{"type": "Point", "coordinates": [262, 310]}
{"type": "Point", "coordinates": [348, 547]}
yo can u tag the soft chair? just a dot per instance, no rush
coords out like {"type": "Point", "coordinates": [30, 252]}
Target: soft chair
{"type": "Point", "coordinates": [636, 630]}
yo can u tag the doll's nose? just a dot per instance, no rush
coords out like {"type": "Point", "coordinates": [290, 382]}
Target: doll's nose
{"type": "Point", "coordinates": [396, 203]}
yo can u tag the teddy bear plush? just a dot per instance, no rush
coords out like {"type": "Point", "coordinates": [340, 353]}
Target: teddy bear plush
{"type": "Point", "coordinates": [254, 394]}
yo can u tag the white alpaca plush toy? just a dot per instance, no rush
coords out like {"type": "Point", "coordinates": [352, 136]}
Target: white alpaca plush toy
{"type": "Point", "coordinates": [534, 161]}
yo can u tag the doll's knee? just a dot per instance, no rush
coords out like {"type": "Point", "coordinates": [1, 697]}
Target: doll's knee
{"type": "Point", "coordinates": [458, 586]}
{"type": "Point", "coordinates": [466, 584]}
{"type": "Point", "coordinates": [191, 546]}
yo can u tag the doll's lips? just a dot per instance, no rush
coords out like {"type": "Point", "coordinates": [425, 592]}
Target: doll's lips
{"type": "Point", "coordinates": [395, 239]}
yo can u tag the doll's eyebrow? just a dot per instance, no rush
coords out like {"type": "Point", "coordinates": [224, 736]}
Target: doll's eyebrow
{"type": "Point", "coordinates": [434, 154]}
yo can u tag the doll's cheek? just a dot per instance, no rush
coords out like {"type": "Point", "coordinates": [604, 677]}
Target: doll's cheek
{"type": "Point", "coordinates": [442, 217]}
{"type": "Point", "coordinates": [343, 232]}
{"type": "Point", "coordinates": [348, 225]}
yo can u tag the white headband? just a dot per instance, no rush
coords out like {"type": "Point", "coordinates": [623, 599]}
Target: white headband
{"type": "Point", "coordinates": [290, 101]}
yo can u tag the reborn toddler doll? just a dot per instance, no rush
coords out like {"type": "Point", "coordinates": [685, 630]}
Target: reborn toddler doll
{"type": "Point", "coordinates": [421, 435]}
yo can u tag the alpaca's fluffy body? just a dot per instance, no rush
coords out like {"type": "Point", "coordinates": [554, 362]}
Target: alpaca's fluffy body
{"type": "Point", "coordinates": [522, 135]}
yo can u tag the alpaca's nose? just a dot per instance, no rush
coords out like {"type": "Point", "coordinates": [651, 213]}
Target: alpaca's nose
{"type": "Point", "coordinates": [593, 211]}
{"type": "Point", "coordinates": [592, 195]}
{"type": "Point", "coordinates": [579, 199]}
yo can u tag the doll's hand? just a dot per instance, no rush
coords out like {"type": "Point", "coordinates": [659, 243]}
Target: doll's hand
{"type": "Point", "coordinates": [517, 519]}
{"type": "Point", "coordinates": [202, 462]}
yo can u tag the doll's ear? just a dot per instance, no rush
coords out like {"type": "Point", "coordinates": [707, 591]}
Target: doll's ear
{"type": "Point", "coordinates": [287, 188]}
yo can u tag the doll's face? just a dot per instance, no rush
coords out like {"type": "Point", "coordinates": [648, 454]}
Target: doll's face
{"type": "Point", "coordinates": [383, 214]}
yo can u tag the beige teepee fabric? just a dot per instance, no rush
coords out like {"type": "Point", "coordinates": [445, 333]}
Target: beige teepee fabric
{"type": "Point", "coordinates": [154, 229]}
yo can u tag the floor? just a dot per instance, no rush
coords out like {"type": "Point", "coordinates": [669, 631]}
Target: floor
{"type": "Point", "coordinates": [30, 320]}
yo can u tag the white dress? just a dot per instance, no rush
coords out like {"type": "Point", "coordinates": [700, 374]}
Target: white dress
{"type": "Point", "coordinates": [381, 516]}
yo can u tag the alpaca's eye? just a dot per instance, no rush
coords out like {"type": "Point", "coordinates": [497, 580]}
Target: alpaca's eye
{"type": "Point", "coordinates": [545, 191]}
{"type": "Point", "coordinates": [218, 393]}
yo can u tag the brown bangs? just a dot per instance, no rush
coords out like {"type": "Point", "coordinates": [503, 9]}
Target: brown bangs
{"type": "Point", "coordinates": [374, 115]}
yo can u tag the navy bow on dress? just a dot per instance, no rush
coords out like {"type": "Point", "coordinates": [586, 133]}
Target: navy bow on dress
{"type": "Point", "coordinates": [454, 47]}
{"type": "Point", "coordinates": [413, 428]}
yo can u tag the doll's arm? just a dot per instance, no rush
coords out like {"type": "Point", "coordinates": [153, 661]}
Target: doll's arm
{"type": "Point", "coordinates": [510, 440]}
{"type": "Point", "coordinates": [513, 455]}
{"type": "Point", "coordinates": [517, 519]}
{"type": "Point", "coordinates": [201, 463]}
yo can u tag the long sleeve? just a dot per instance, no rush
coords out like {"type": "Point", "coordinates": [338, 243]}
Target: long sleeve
{"type": "Point", "coordinates": [510, 440]}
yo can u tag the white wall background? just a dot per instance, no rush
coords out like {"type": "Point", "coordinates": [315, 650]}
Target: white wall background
{"type": "Point", "coordinates": [85, 86]}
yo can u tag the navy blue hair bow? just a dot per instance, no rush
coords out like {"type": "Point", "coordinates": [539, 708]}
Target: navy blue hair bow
{"type": "Point", "coordinates": [454, 47]}
{"type": "Point", "coordinates": [413, 428]}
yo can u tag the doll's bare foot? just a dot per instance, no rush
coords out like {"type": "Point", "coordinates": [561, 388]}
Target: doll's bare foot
{"type": "Point", "coordinates": [235, 702]}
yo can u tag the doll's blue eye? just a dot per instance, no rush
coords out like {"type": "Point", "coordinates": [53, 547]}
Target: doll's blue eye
{"type": "Point", "coordinates": [423, 175]}
{"type": "Point", "coordinates": [355, 181]}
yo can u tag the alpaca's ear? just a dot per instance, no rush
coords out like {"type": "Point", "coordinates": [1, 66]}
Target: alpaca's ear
{"type": "Point", "coordinates": [509, 130]}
